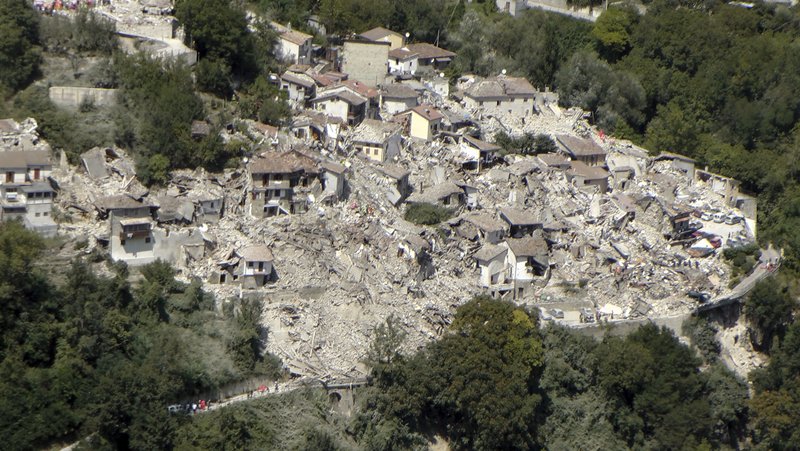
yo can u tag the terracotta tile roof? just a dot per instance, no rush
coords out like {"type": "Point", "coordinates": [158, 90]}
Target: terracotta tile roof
{"type": "Point", "coordinates": [359, 87]}
{"type": "Point", "coordinates": [298, 79]}
{"type": "Point", "coordinates": [402, 53]}
{"type": "Point", "coordinates": [296, 37]}
{"type": "Point", "coordinates": [398, 91]}
{"type": "Point", "coordinates": [425, 50]}
{"type": "Point", "coordinates": [428, 112]}
{"type": "Point", "coordinates": [379, 33]}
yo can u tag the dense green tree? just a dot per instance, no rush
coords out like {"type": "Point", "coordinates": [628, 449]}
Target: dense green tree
{"type": "Point", "coordinates": [218, 29]}
{"type": "Point", "coordinates": [264, 102]}
{"type": "Point", "coordinates": [20, 54]}
{"type": "Point", "coordinates": [612, 32]}
{"type": "Point", "coordinates": [768, 308]}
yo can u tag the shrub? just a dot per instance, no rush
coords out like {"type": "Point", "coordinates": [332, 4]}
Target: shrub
{"type": "Point", "coordinates": [427, 214]}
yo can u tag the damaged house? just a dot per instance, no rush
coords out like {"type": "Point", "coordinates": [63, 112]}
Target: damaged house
{"type": "Point", "coordinates": [424, 122]}
{"type": "Point", "coordinates": [520, 222]}
{"type": "Point", "coordinates": [583, 150]}
{"type": "Point", "coordinates": [501, 95]}
{"type": "Point", "coordinates": [344, 103]}
{"type": "Point", "coordinates": [26, 191]}
{"type": "Point", "coordinates": [281, 184]}
{"type": "Point", "coordinates": [299, 87]}
{"type": "Point", "coordinates": [397, 98]}
{"type": "Point", "coordinates": [377, 140]}
{"type": "Point", "coordinates": [476, 154]}
{"type": "Point", "coordinates": [582, 174]}
{"type": "Point", "coordinates": [446, 194]}
{"type": "Point", "coordinates": [131, 221]}
{"type": "Point", "coordinates": [527, 258]}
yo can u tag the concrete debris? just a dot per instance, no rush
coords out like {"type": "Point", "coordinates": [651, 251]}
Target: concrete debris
{"type": "Point", "coordinates": [599, 231]}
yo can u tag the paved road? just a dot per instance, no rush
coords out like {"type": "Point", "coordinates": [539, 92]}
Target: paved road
{"type": "Point", "coordinates": [566, 12]}
{"type": "Point", "coordinates": [768, 264]}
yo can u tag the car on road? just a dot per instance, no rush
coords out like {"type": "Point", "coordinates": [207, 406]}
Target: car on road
{"type": "Point", "coordinates": [699, 295]}
{"type": "Point", "coordinates": [719, 218]}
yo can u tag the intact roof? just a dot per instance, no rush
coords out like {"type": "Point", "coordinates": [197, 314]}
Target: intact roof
{"type": "Point", "coordinates": [38, 187]}
{"type": "Point", "coordinates": [403, 53]}
{"type": "Point", "coordinates": [489, 252]}
{"type": "Point", "coordinates": [579, 147]}
{"type": "Point", "coordinates": [428, 112]}
{"type": "Point", "coordinates": [481, 145]}
{"type": "Point", "coordinates": [298, 79]}
{"type": "Point", "coordinates": [373, 131]}
{"type": "Point", "coordinates": [37, 157]}
{"type": "Point", "coordinates": [527, 246]}
{"type": "Point", "coordinates": [295, 37]}
{"type": "Point", "coordinates": [582, 169]}
{"type": "Point", "coordinates": [200, 128]}
{"type": "Point", "coordinates": [553, 159]}
{"type": "Point", "coordinates": [361, 88]}
{"type": "Point", "coordinates": [24, 158]}
{"type": "Point", "coordinates": [378, 33]}
{"type": "Point", "coordinates": [13, 159]}
{"type": "Point", "coordinates": [120, 202]}
{"type": "Point", "coordinates": [257, 253]}
{"type": "Point", "coordinates": [515, 216]}
{"type": "Point", "coordinates": [347, 95]}
{"type": "Point", "coordinates": [425, 50]}
{"type": "Point", "coordinates": [500, 87]}
{"type": "Point", "coordinates": [398, 91]}
{"type": "Point", "coordinates": [485, 222]}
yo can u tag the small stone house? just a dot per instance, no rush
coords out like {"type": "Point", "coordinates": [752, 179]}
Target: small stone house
{"type": "Point", "coordinates": [446, 194]}
{"type": "Point", "coordinates": [431, 57]}
{"type": "Point", "coordinates": [380, 34]}
{"type": "Point", "coordinates": [583, 150]}
{"type": "Point", "coordinates": [491, 259]}
{"type": "Point", "coordinates": [527, 259]}
{"type": "Point", "coordinates": [501, 95]}
{"type": "Point", "coordinates": [477, 153]}
{"type": "Point", "coordinates": [292, 46]}
{"type": "Point", "coordinates": [281, 184]}
{"type": "Point", "coordinates": [25, 192]}
{"type": "Point", "coordinates": [490, 229]}
{"type": "Point", "coordinates": [403, 62]}
{"type": "Point", "coordinates": [342, 102]}
{"type": "Point", "coordinates": [299, 87]}
{"type": "Point", "coordinates": [425, 122]}
{"type": "Point", "coordinates": [377, 140]}
{"type": "Point", "coordinates": [131, 220]}
{"type": "Point", "coordinates": [581, 174]}
{"type": "Point", "coordinates": [397, 98]}
{"type": "Point", "coordinates": [255, 266]}
{"type": "Point", "coordinates": [520, 222]}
